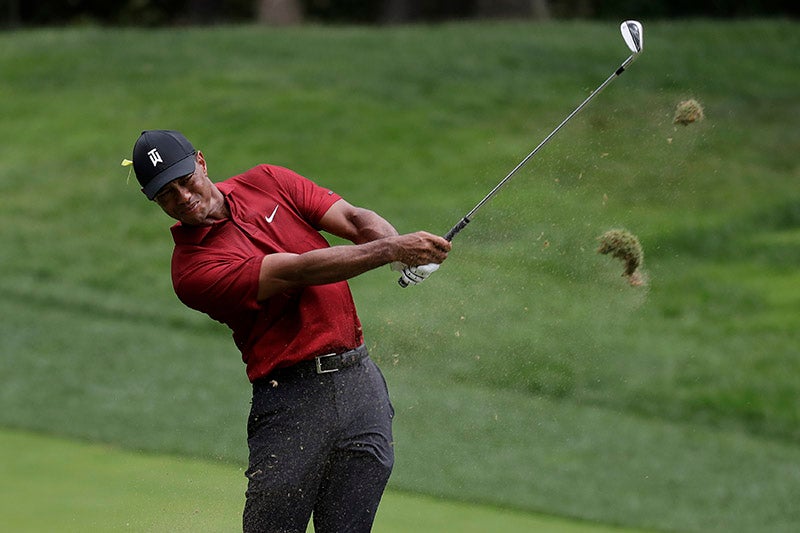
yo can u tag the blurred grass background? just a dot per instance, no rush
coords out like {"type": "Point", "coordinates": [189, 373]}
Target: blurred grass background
{"type": "Point", "coordinates": [525, 373]}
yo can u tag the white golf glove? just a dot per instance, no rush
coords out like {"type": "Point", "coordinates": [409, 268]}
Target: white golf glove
{"type": "Point", "coordinates": [414, 275]}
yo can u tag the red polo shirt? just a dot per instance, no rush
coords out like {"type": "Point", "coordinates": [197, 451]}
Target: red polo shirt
{"type": "Point", "coordinates": [215, 270]}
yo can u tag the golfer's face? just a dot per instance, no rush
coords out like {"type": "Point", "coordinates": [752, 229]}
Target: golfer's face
{"type": "Point", "coordinates": [189, 198]}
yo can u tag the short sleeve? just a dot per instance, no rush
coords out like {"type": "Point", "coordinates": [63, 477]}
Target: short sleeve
{"type": "Point", "coordinates": [312, 200]}
{"type": "Point", "coordinates": [219, 284]}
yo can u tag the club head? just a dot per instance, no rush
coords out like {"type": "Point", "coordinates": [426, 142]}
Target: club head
{"type": "Point", "coordinates": [633, 34]}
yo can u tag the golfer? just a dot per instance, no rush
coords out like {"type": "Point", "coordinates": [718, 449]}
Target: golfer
{"type": "Point", "coordinates": [249, 253]}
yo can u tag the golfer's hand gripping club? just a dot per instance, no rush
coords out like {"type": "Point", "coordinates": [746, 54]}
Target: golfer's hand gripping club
{"type": "Point", "coordinates": [417, 274]}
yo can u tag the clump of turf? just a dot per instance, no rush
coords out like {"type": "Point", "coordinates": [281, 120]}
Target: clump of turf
{"type": "Point", "coordinates": [624, 245]}
{"type": "Point", "coordinates": [688, 111]}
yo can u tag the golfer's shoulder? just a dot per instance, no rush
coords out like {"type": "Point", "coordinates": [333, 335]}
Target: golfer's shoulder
{"type": "Point", "coordinates": [260, 176]}
{"type": "Point", "coordinates": [257, 178]}
{"type": "Point", "coordinates": [264, 182]}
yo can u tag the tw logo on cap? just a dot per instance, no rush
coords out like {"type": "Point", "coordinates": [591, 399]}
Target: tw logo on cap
{"type": "Point", "coordinates": [155, 157]}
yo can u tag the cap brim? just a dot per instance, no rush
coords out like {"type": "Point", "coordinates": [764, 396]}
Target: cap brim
{"type": "Point", "coordinates": [180, 169]}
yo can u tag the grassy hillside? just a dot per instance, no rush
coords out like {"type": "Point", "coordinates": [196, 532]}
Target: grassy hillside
{"type": "Point", "coordinates": [526, 373]}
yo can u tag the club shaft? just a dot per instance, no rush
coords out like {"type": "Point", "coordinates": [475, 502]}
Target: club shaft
{"type": "Point", "coordinates": [468, 217]}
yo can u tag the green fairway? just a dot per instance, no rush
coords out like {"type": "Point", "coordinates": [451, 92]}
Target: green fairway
{"type": "Point", "coordinates": [59, 485]}
{"type": "Point", "coordinates": [526, 373]}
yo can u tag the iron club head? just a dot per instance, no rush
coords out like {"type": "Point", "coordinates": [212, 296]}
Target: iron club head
{"type": "Point", "coordinates": [633, 34]}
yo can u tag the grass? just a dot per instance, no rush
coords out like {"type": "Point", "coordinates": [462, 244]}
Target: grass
{"type": "Point", "coordinates": [91, 487]}
{"type": "Point", "coordinates": [526, 373]}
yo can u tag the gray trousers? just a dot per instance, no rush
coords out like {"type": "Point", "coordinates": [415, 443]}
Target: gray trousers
{"type": "Point", "coordinates": [319, 444]}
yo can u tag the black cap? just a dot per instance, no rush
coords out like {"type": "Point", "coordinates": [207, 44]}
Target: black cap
{"type": "Point", "coordinates": [160, 156]}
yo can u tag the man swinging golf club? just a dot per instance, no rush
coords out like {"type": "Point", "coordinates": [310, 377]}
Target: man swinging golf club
{"type": "Point", "coordinates": [248, 253]}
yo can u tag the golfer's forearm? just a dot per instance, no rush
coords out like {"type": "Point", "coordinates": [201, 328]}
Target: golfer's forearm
{"type": "Point", "coordinates": [280, 272]}
{"type": "Point", "coordinates": [339, 263]}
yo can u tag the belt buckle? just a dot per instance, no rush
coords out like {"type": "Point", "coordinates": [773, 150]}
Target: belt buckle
{"type": "Point", "coordinates": [318, 362]}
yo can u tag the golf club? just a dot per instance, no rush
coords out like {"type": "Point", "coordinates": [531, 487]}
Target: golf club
{"type": "Point", "coordinates": [632, 33]}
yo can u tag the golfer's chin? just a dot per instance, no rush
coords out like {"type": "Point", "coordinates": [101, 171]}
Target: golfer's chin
{"type": "Point", "coordinates": [194, 215]}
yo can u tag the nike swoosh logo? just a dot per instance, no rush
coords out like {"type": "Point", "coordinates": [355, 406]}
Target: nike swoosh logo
{"type": "Point", "coordinates": [270, 217]}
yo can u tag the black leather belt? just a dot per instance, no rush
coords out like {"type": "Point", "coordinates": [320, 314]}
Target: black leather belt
{"type": "Point", "coordinates": [322, 364]}
{"type": "Point", "coordinates": [333, 362]}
